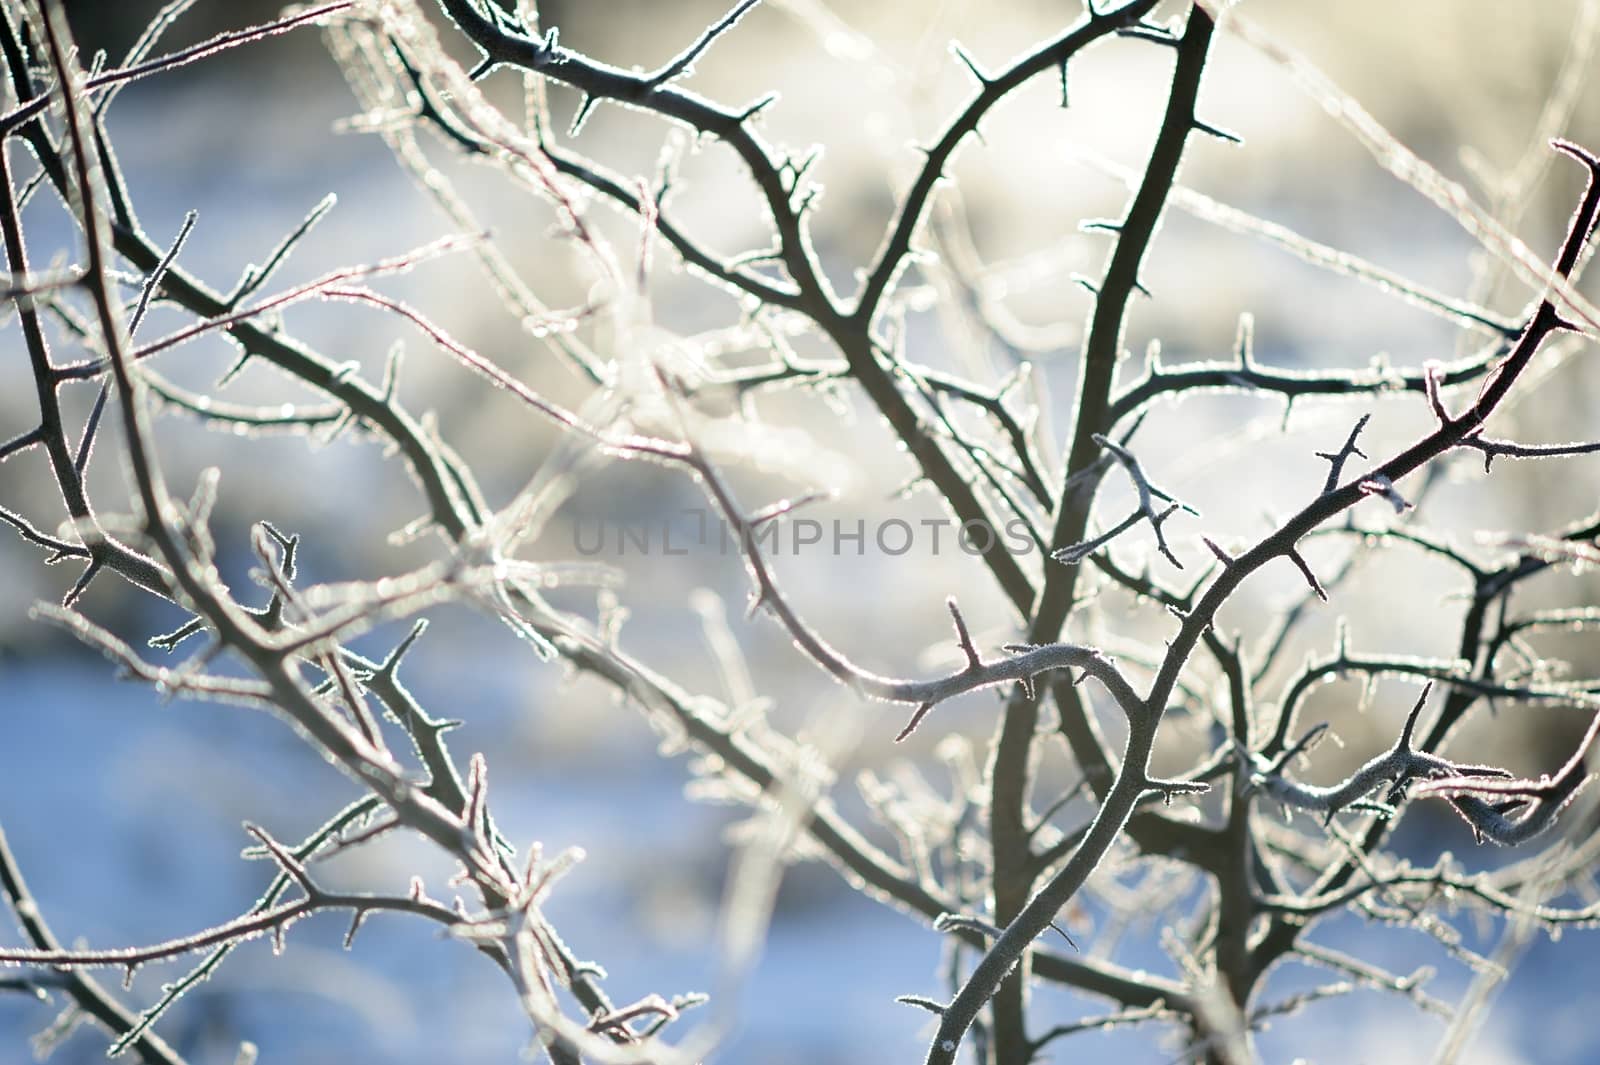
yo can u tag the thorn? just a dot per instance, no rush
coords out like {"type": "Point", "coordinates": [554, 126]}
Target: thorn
{"type": "Point", "coordinates": [1244, 341]}
{"type": "Point", "coordinates": [1305, 571]}
{"type": "Point", "coordinates": [916, 719]}
{"type": "Point", "coordinates": [90, 571]}
{"type": "Point", "coordinates": [921, 1003]}
{"type": "Point", "coordinates": [963, 636]}
{"type": "Point", "coordinates": [1218, 132]}
{"type": "Point", "coordinates": [1145, 31]}
{"type": "Point", "coordinates": [584, 108]}
{"type": "Point", "coordinates": [1170, 788]}
{"type": "Point", "coordinates": [234, 371]}
{"type": "Point", "coordinates": [970, 63]}
{"type": "Point", "coordinates": [1304, 745]}
{"type": "Point", "coordinates": [756, 108]}
{"type": "Point", "coordinates": [391, 664]}
{"type": "Point", "coordinates": [356, 920]}
{"type": "Point", "coordinates": [391, 372]}
{"type": "Point", "coordinates": [782, 507]}
{"type": "Point", "coordinates": [806, 200]}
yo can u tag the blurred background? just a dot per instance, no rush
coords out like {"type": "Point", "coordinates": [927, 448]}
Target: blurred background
{"type": "Point", "coordinates": [125, 810]}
